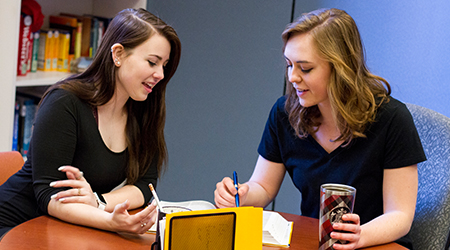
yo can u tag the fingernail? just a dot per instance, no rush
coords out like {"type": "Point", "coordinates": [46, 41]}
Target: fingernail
{"type": "Point", "coordinates": [53, 196]}
{"type": "Point", "coordinates": [61, 168]}
{"type": "Point", "coordinates": [62, 199]}
{"type": "Point", "coordinates": [52, 183]}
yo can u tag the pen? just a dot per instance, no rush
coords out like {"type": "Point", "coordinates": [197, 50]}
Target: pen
{"type": "Point", "coordinates": [235, 179]}
{"type": "Point", "coordinates": [155, 196]}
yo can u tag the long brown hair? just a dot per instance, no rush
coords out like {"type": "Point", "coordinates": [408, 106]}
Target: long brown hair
{"type": "Point", "coordinates": [354, 92]}
{"type": "Point", "coordinates": [146, 119]}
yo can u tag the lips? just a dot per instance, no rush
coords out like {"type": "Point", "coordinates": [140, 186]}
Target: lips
{"type": "Point", "coordinates": [301, 92]}
{"type": "Point", "coordinates": [148, 86]}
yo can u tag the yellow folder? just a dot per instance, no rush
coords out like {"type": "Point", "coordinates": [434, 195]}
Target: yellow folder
{"type": "Point", "coordinates": [226, 228]}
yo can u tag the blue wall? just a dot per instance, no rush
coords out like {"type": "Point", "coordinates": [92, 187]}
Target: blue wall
{"type": "Point", "coordinates": [407, 43]}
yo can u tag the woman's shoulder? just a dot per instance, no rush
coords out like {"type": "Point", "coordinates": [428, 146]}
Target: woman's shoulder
{"type": "Point", "coordinates": [392, 105]}
{"type": "Point", "coordinates": [280, 103]}
{"type": "Point", "coordinates": [393, 109]}
{"type": "Point", "coordinates": [61, 96]}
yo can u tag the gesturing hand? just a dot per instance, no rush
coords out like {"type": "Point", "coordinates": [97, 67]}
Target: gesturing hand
{"type": "Point", "coordinates": [138, 223]}
{"type": "Point", "coordinates": [81, 191]}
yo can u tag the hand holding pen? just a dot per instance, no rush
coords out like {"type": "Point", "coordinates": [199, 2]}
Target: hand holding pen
{"type": "Point", "coordinates": [155, 196]}
{"type": "Point", "coordinates": [236, 183]}
{"type": "Point", "coordinates": [226, 193]}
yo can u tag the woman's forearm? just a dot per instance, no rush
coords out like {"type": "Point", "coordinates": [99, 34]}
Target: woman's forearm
{"type": "Point", "coordinates": [128, 192]}
{"type": "Point", "coordinates": [385, 228]}
{"type": "Point", "coordinates": [81, 214]}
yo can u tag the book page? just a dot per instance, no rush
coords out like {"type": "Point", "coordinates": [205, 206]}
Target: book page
{"type": "Point", "coordinates": [162, 230]}
{"type": "Point", "coordinates": [276, 229]}
{"type": "Point", "coordinates": [173, 207]}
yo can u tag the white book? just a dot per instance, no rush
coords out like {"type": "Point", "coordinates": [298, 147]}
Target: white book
{"type": "Point", "coordinates": [277, 231]}
{"type": "Point", "coordinates": [173, 207]}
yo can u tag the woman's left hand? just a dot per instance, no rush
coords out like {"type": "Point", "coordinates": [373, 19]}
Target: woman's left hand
{"type": "Point", "coordinates": [349, 231]}
{"type": "Point", "coordinates": [81, 191]}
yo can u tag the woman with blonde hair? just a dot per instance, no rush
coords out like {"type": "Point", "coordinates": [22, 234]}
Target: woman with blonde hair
{"type": "Point", "coordinates": [337, 123]}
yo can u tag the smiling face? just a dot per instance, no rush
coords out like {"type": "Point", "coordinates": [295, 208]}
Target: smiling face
{"type": "Point", "coordinates": [143, 68]}
{"type": "Point", "coordinates": [308, 73]}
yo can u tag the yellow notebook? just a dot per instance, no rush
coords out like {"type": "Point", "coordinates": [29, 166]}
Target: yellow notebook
{"type": "Point", "coordinates": [226, 228]}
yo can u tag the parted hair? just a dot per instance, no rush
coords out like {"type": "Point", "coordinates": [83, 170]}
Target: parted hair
{"type": "Point", "coordinates": [146, 119]}
{"type": "Point", "coordinates": [354, 92]}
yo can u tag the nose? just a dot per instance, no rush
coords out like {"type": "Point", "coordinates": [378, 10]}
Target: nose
{"type": "Point", "coordinates": [293, 76]}
{"type": "Point", "coordinates": [159, 73]}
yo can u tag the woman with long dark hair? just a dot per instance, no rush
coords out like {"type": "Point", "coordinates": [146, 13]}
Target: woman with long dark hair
{"type": "Point", "coordinates": [98, 138]}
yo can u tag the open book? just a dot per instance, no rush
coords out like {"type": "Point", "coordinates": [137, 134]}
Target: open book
{"type": "Point", "coordinates": [277, 230]}
{"type": "Point", "coordinates": [173, 207]}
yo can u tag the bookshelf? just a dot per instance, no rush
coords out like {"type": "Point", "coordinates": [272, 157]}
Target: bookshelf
{"type": "Point", "coordinates": [10, 24]}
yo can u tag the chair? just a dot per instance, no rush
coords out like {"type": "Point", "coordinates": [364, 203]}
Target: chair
{"type": "Point", "coordinates": [431, 225]}
{"type": "Point", "coordinates": [10, 163]}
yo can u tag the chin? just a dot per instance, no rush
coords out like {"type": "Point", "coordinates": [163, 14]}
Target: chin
{"type": "Point", "coordinates": [140, 98]}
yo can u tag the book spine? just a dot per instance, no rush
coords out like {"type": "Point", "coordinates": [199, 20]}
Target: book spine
{"type": "Point", "coordinates": [24, 41]}
{"type": "Point", "coordinates": [86, 37]}
{"type": "Point", "coordinates": [15, 144]}
{"type": "Point", "coordinates": [55, 50]}
{"type": "Point", "coordinates": [41, 52]}
{"type": "Point", "coordinates": [34, 55]}
{"type": "Point", "coordinates": [78, 38]}
{"type": "Point", "coordinates": [63, 57]}
{"type": "Point", "coordinates": [30, 52]}
{"type": "Point", "coordinates": [100, 32]}
{"type": "Point", "coordinates": [30, 110]}
{"type": "Point", "coordinates": [94, 37]}
{"type": "Point", "coordinates": [48, 51]}
{"type": "Point", "coordinates": [21, 125]}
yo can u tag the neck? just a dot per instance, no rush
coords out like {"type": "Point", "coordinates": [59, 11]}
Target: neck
{"type": "Point", "coordinates": [326, 113]}
{"type": "Point", "coordinates": [114, 108]}
{"type": "Point", "coordinates": [328, 123]}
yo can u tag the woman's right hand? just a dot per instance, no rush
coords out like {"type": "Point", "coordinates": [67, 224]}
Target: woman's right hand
{"type": "Point", "coordinates": [139, 223]}
{"type": "Point", "coordinates": [224, 195]}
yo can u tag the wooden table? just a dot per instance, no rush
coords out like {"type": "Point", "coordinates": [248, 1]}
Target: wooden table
{"type": "Point", "coordinates": [46, 232]}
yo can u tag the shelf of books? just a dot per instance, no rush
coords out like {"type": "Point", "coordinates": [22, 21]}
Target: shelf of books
{"type": "Point", "coordinates": [62, 45]}
{"type": "Point", "coordinates": [40, 78]}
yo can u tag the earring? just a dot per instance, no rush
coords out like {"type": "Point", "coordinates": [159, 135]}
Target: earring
{"type": "Point", "coordinates": [116, 62]}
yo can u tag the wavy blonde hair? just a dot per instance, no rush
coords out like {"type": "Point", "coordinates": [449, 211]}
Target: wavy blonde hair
{"type": "Point", "coordinates": [354, 92]}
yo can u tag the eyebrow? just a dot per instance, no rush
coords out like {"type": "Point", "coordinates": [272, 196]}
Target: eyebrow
{"type": "Point", "coordinates": [160, 58]}
{"type": "Point", "coordinates": [301, 61]}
